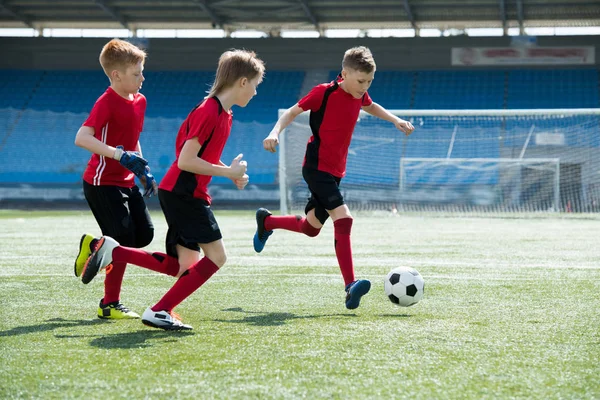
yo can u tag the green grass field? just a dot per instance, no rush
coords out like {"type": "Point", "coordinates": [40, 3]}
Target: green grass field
{"type": "Point", "coordinates": [511, 310]}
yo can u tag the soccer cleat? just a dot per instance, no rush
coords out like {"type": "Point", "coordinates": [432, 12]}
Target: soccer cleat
{"type": "Point", "coordinates": [356, 290]}
{"type": "Point", "coordinates": [100, 258]}
{"type": "Point", "coordinates": [168, 321]}
{"type": "Point", "coordinates": [84, 253]}
{"type": "Point", "coordinates": [261, 235]}
{"type": "Point", "coordinates": [115, 310]}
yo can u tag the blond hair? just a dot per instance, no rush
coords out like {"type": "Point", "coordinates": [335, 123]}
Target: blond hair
{"type": "Point", "coordinates": [359, 59]}
{"type": "Point", "coordinates": [233, 65]}
{"type": "Point", "coordinates": [119, 54]}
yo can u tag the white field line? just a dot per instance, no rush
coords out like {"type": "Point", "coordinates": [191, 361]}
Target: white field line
{"type": "Point", "coordinates": [483, 265]}
{"type": "Point", "coordinates": [373, 277]}
{"type": "Point", "coordinates": [328, 261]}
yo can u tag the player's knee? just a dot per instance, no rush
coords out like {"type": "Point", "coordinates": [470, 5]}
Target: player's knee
{"type": "Point", "coordinates": [144, 238]}
{"type": "Point", "coordinates": [125, 238]}
{"type": "Point", "coordinates": [218, 259]}
{"type": "Point", "coordinates": [310, 230]}
{"type": "Point", "coordinates": [322, 215]}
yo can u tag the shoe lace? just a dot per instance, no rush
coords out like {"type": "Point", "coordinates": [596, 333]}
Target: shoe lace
{"type": "Point", "coordinates": [265, 235]}
{"type": "Point", "coordinates": [122, 308]}
{"type": "Point", "coordinates": [349, 286]}
{"type": "Point", "coordinates": [174, 315]}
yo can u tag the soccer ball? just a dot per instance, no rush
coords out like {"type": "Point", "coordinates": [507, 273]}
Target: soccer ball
{"type": "Point", "coordinates": [404, 286]}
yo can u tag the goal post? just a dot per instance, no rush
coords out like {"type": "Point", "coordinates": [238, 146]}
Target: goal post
{"type": "Point", "coordinates": [495, 184]}
{"type": "Point", "coordinates": [509, 161]}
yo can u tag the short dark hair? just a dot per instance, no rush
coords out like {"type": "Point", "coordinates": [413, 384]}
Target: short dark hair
{"type": "Point", "coordinates": [359, 59]}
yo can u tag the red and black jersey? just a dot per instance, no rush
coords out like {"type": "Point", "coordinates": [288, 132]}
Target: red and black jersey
{"type": "Point", "coordinates": [333, 116]}
{"type": "Point", "coordinates": [211, 124]}
{"type": "Point", "coordinates": [117, 122]}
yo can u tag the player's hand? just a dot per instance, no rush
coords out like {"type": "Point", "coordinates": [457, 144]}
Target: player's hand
{"type": "Point", "coordinates": [242, 182]}
{"type": "Point", "coordinates": [238, 167]}
{"type": "Point", "coordinates": [404, 126]}
{"type": "Point", "coordinates": [132, 160]}
{"type": "Point", "coordinates": [149, 183]}
{"type": "Point", "coordinates": [270, 143]}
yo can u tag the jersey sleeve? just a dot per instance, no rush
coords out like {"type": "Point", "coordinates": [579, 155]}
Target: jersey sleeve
{"type": "Point", "coordinates": [366, 100]}
{"type": "Point", "coordinates": [313, 100]}
{"type": "Point", "coordinates": [99, 116]}
{"type": "Point", "coordinates": [202, 123]}
{"type": "Point", "coordinates": [143, 113]}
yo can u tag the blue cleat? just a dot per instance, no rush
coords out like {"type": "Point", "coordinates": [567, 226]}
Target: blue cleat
{"type": "Point", "coordinates": [261, 235]}
{"type": "Point", "coordinates": [356, 290]}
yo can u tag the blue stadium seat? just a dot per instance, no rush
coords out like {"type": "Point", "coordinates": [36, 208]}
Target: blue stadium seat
{"type": "Point", "coordinates": [40, 112]}
{"type": "Point", "coordinates": [559, 88]}
{"type": "Point", "coordinates": [391, 89]}
{"type": "Point", "coordinates": [459, 90]}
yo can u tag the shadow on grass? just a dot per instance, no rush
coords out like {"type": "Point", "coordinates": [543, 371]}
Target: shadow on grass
{"type": "Point", "coordinates": [49, 325]}
{"type": "Point", "coordinates": [137, 340]}
{"type": "Point", "coordinates": [394, 315]}
{"type": "Point", "coordinates": [257, 318]}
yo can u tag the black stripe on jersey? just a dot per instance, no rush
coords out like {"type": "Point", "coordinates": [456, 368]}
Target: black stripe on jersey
{"type": "Point", "coordinates": [198, 105]}
{"type": "Point", "coordinates": [205, 143]}
{"type": "Point", "coordinates": [220, 105]}
{"type": "Point", "coordinates": [186, 181]}
{"type": "Point", "coordinates": [316, 119]}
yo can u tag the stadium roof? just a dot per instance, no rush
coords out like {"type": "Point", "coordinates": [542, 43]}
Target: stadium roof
{"type": "Point", "coordinates": [273, 15]}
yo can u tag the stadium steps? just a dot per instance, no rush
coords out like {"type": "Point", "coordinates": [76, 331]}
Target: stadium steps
{"type": "Point", "coordinates": [26, 93]}
{"type": "Point", "coordinates": [313, 78]}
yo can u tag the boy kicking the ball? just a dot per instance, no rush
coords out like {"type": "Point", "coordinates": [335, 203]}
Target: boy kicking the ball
{"type": "Point", "coordinates": [334, 109]}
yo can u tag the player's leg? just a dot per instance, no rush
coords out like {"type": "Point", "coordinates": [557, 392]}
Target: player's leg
{"type": "Point", "coordinates": [329, 199]}
{"type": "Point", "coordinates": [160, 262]}
{"type": "Point", "coordinates": [106, 255]}
{"type": "Point", "coordinates": [133, 228]}
{"type": "Point", "coordinates": [193, 226]}
{"type": "Point", "coordinates": [161, 314]}
{"type": "Point", "coordinates": [342, 225]}
{"type": "Point", "coordinates": [143, 228]}
{"type": "Point", "coordinates": [87, 243]}
{"type": "Point", "coordinates": [144, 232]}
{"type": "Point", "coordinates": [112, 215]}
{"type": "Point", "coordinates": [266, 223]}
{"type": "Point", "coordinates": [294, 223]}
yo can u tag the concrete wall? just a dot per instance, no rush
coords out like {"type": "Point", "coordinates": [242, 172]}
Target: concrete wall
{"type": "Point", "coordinates": [290, 54]}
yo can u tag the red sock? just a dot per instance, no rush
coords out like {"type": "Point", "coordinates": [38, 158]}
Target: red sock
{"type": "Point", "coordinates": [158, 262]}
{"type": "Point", "coordinates": [294, 223]}
{"type": "Point", "coordinates": [343, 248]}
{"type": "Point", "coordinates": [113, 281]}
{"type": "Point", "coordinates": [187, 284]}
{"type": "Point", "coordinates": [288, 222]}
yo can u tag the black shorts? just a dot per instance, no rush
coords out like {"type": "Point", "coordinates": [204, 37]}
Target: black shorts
{"type": "Point", "coordinates": [190, 221]}
{"type": "Point", "coordinates": [324, 192]}
{"type": "Point", "coordinates": [121, 213]}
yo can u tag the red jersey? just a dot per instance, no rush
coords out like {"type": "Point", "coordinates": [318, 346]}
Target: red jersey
{"type": "Point", "coordinates": [116, 122]}
{"type": "Point", "coordinates": [333, 116]}
{"type": "Point", "coordinates": [211, 124]}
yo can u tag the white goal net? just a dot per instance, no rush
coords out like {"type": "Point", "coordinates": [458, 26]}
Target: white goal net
{"type": "Point", "coordinates": [506, 161]}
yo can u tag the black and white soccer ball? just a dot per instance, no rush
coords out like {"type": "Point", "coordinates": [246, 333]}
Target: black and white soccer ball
{"type": "Point", "coordinates": [404, 286]}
